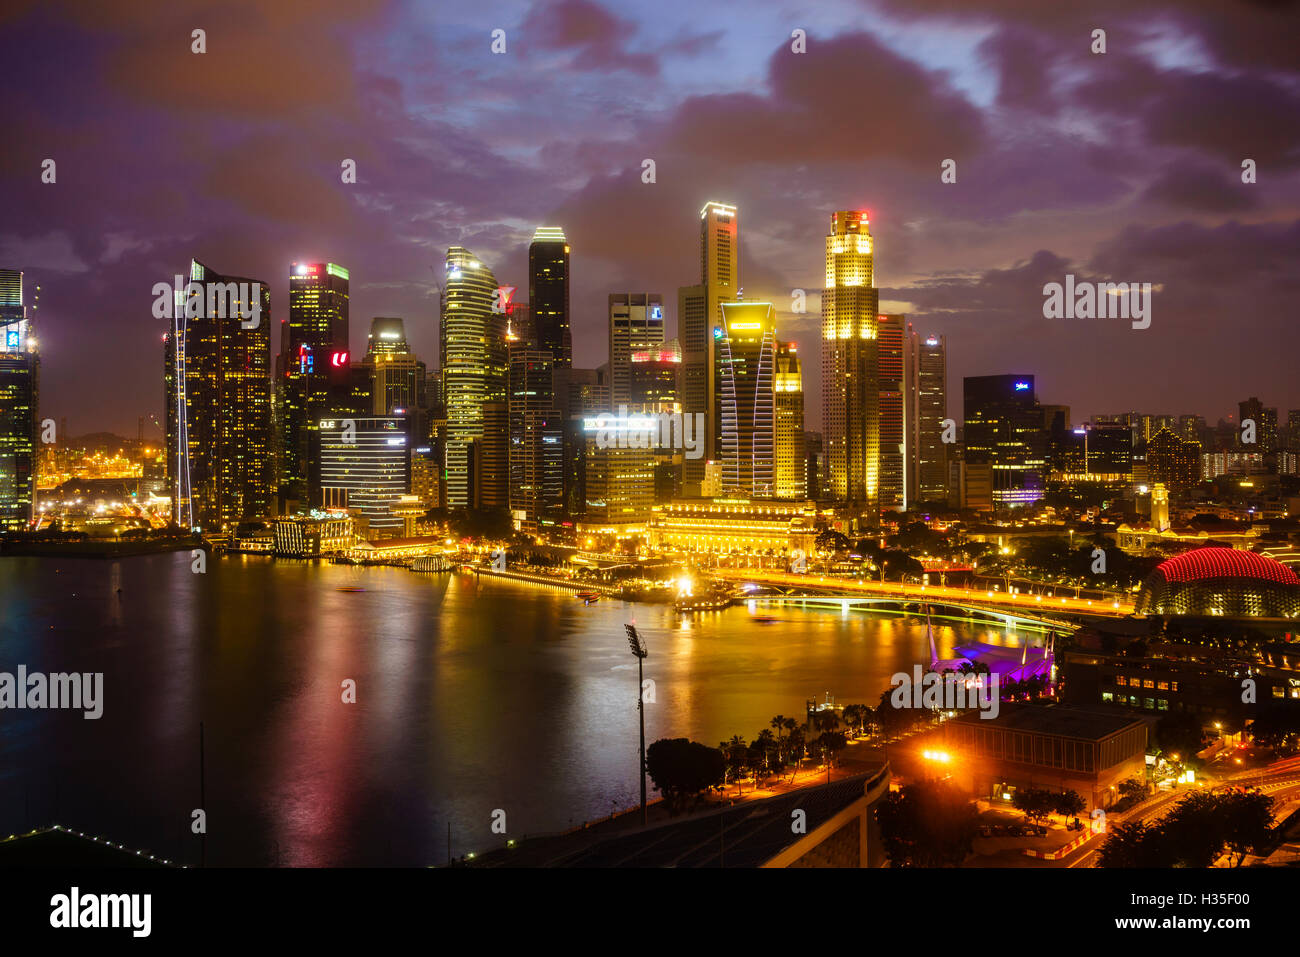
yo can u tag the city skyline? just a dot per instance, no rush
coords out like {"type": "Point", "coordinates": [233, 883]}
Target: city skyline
{"type": "Point", "coordinates": [1094, 182]}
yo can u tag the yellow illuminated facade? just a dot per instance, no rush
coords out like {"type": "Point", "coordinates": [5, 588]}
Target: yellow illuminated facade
{"type": "Point", "coordinates": [850, 388]}
{"type": "Point", "coordinates": [730, 526]}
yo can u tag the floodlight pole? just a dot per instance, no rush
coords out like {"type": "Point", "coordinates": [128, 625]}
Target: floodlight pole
{"type": "Point", "coordinates": [639, 649]}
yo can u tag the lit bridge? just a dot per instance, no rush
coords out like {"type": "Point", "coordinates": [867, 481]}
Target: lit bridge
{"type": "Point", "coordinates": [1040, 611]}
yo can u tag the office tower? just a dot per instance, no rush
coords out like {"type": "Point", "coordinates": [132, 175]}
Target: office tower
{"type": "Point", "coordinates": [1191, 426]}
{"type": "Point", "coordinates": [815, 464]}
{"type": "Point", "coordinates": [19, 404]}
{"type": "Point", "coordinates": [619, 475]}
{"type": "Point", "coordinates": [589, 392]}
{"type": "Point", "coordinates": [1265, 420]}
{"type": "Point", "coordinates": [790, 465]}
{"type": "Point", "coordinates": [492, 458]}
{"type": "Point", "coordinates": [891, 342]}
{"type": "Point", "coordinates": [925, 412]}
{"type": "Point", "coordinates": [536, 456]}
{"type": "Point", "coordinates": [850, 390]}
{"type": "Point", "coordinates": [548, 293]}
{"type": "Point", "coordinates": [699, 323]}
{"type": "Point", "coordinates": [473, 344]}
{"type": "Point", "coordinates": [1173, 461]}
{"type": "Point", "coordinates": [519, 324]}
{"type": "Point", "coordinates": [636, 325]}
{"type": "Point", "coordinates": [217, 357]}
{"type": "Point", "coordinates": [1108, 455]}
{"type": "Point", "coordinates": [652, 376]}
{"type": "Point", "coordinates": [746, 356]}
{"type": "Point", "coordinates": [1004, 431]}
{"type": "Point", "coordinates": [397, 375]}
{"type": "Point", "coordinates": [363, 463]}
{"type": "Point", "coordinates": [315, 363]}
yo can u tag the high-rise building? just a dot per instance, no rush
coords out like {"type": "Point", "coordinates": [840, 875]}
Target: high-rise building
{"type": "Point", "coordinates": [891, 348]}
{"type": "Point", "coordinates": [315, 363]}
{"type": "Point", "coordinates": [536, 456]}
{"type": "Point", "coordinates": [619, 476]}
{"type": "Point", "coordinates": [636, 326]}
{"type": "Point", "coordinates": [397, 375]}
{"type": "Point", "coordinates": [790, 465]}
{"type": "Point", "coordinates": [217, 358]}
{"type": "Point", "coordinates": [850, 387]}
{"type": "Point", "coordinates": [1004, 430]}
{"type": "Point", "coordinates": [19, 403]}
{"type": "Point", "coordinates": [652, 379]}
{"type": "Point", "coordinates": [363, 463]}
{"type": "Point", "coordinates": [548, 293]}
{"type": "Point", "coordinates": [745, 347]}
{"type": "Point", "coordinates": [473, 345]}
{"type": "Point", "coordinates": [1173, 461]}
{"type": "Point", "coordinates": [589, 392]}
{"type": "Point", "coordinates": [926, 410]}
{"type": "Point", "coordinates": [1265, 420]}
{"type": "Point", "coordinates": [699, 323]}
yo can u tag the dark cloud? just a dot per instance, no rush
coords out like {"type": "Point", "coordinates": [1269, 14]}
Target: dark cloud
{"type": "Point", "coordinates": [1194, 185]}
{"type": "Point", "coordinates": [595, 36]}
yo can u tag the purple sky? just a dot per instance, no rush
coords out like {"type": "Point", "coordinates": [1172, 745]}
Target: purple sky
{"type": "Point", "coordinates": [1117, 167]}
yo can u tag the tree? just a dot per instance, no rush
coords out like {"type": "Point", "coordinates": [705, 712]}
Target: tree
{"type": "Point", "coordinates": [828, 540]}
{"type": "Point", "coordinates": [927, 825]}
{"type": "Point", "coordinates": [1180, 733]}
{"type": "Point", "coordinates": [1035, 803]}
{"type": "Point", "coordinates": [681, 770]}
{"type": "Point", "coordinates": [736, 755]}
{"type": "Point", "coordinates": [1194, 834]}
{"type": "Point", "coordinates": [1132, 788]}
{"type": "Point", "coordinates": [1069, 804]}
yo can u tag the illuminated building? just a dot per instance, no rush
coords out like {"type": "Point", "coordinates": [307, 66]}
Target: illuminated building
{"type": "Point", "coordinates": [536, 440]}
{"type": "Point", "coordinates": [19, 402]}
{"type": "Point", "coordinates": [320, 532]}
{"type": "Point", "coordinates": [364, 465]}
{"type": "Point", "coordinates": [1159, 508]}
{"type": "Point", "coordinates": [1004, 430]}
{"type": "Point", "coordinates": [491, 458]}
{"type": "Point", "coordinates": [850, 387]}
{"type": "Point", "coordinates": [619, 481]}
{"type": "Point", "coordinates": [473, 346]}
{"type": "Point", "coordinates": [890, 372]}
{"type": "Point", "coordinates": [1265, 419]}
{"type": "Point", "coordinates": [548, 293]}
{"type": "Point", "coordinates": [745, 349]}
{"type": "Point", "coordinates": [734, 526]}
{"type": "Point", "coordinates": [589, 391]}
{"type": "Point", "coordinates": [1095, 456]}
{"type": "Point", "coordinates": [397, 376]}
{"type": "Point", "coordinates": [1175, 462]}
{"type": "Point", "coordinates": [314, 362]}
{"type": "Point", "coordinates": [789, 467]}
{"type": "Point", "coordinates": [220, 451]}
{"type": "Point", "coordinates": [925, 411]}
{"type": "Point", "coordinates": [652, 379]}
{"type": "Point", "coordinates": [699, 320]}
{"type": "Point", "coordinates": [636, 326]}
{"type": "Point", "coordinates": [1226, 582]}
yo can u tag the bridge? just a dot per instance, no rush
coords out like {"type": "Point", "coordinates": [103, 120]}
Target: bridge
{"type": "Point", "coordinates": [828, 591]}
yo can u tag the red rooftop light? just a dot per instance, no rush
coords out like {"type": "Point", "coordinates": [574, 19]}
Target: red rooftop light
{"type": "Point", "coordinates": [1204, 563]}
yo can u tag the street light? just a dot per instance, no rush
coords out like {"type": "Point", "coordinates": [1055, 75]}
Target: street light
{"type": "Point", "coordinates": [639, 649]}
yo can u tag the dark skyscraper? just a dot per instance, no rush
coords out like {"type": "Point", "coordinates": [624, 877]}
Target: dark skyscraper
{"type": "Point", "coordinates": [890, 348]}
{"type": "Point", "coordinates": [315, 362]}
{"type": "Point", "coordinates": [926, 410]}
{"type": "Point", "coordinates": [548, 293]}
{"type": "Point", "coordinates": [19, 399]}
{"type": "Point", "coordinates": [220, 463]}
{"type": "Point", "coordinates": [1004, 430]}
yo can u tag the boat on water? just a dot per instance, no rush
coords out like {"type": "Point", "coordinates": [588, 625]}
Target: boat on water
{"type": "Point", "coordinates": [349, 588]}
{"type": "Point", "coordinates": [588, 597]}
{"type": "Point", "coordinates": [686, 606]}
{"type": "Point", "coordinates": [762, 619]}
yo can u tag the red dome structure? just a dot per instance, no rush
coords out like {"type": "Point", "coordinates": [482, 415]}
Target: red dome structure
{"type": "Point", "coordinates": [1224, 582]}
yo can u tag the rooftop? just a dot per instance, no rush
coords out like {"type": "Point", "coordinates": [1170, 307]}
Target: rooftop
{"type": "Point", "coordinates": [1066, 721]}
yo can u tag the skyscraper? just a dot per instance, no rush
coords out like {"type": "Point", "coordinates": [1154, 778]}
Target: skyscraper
{"type": "Point", "coordinates": [699, 321]}
{"type": "Point", "coordinates": [536, 455]}
{"type": "Point", "coordinates": [1004, 431]}
{"type": "Point", "coordinates": [790, 463]}
{"type": "Point", "coordinates": [745, 347]}
{"type": "Point", "coordinates": [473, 345]}
{"type": "Point", "coordinates": [890, 364]}
{"type": "Point", "coordinates": [315, 363]}
{"type": "Point", "coordinates": [220, 452]}
{"type": "Point", "coordinates": [397, 375]}
{"type": "Point", "coordinates": [926, 410]}
{"type": "Point", "coordinates": [548, 293]}
{"type": "Point", "coordinates": [19, 401]}
{"type": "Point", "coordinates": [636, 325]}
{"type": "Point", "coordinates": [850, 387]}
{"type": "Point", "coordinates": [1265, 420]}
{"type": "Point", "coordinates": [363, 463]}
